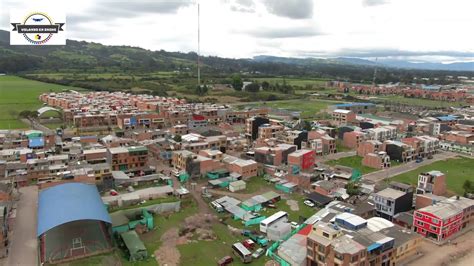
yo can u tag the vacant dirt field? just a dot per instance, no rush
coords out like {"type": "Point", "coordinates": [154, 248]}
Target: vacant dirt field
{"type": "Point", "coordinates": [460, 252]}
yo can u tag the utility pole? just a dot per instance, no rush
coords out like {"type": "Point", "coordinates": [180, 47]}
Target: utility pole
{"type": "Point", "coordinates": [199, 50]}
{"type": "Point", "coordinates": [375, 73]}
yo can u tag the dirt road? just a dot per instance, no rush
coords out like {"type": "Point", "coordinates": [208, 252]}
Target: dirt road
{"type": "Point", "coordinates": [23, 249]}
{"type": "Point", "coordinates": [459, 252]}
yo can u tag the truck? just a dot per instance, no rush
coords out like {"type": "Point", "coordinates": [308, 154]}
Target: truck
{"type": "Point", "coordinates": [259, 239]}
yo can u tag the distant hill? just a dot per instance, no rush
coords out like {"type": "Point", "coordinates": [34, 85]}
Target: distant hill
{"type": "Point", "coordinates": [87, 57]}
{"type": "Point", "coordinates": [461, 66]}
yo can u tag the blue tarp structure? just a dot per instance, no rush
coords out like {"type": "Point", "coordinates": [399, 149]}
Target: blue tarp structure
{"type": "Point", "coordinates": [373, 246]}
{"type": "Point", "coordinates": [36, 142]}
{"type": "Point", "coordinates": [67, 203]}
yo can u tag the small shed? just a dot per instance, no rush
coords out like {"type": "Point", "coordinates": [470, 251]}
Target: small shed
{"type": "Point", "coordinates": [287, 187]}
{"type": "Point", "coordinates": [136, 249]}
{"type": "Point", "coordinates": [237, 185]}
{"type": "Point", "coordinates": [218, 174]}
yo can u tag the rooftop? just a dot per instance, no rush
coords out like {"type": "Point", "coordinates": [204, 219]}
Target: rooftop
{"type": "Point", "coordinates": [391, 193]}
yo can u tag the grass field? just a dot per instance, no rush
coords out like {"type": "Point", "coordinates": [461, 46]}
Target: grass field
{"type": "Point", "coordinates": [353, 162]}
{"type": "Point", "coordinates": [293, 81]}
{"type": "Point", "coordinates": [457, 170]}
{"type": "Point", "coordinates": [18, 94]}
{"type": "Point", "coordinates": [418, 102]}
{"type": "Point", "coordinates": [309, 108]}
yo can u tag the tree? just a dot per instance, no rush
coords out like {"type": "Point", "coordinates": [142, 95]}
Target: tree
{"type": "Point", "coordinates": [201, 90]}
{"type": "Point", "coordinates": [307, 125]}
{"type": "Point", "coordinates": [352, 188]}
{"type": "Point", "coordinates": [177, 138]}
{"type": "Point", "coordinates": [468, 186]}
{"type": "Point", "coordinates": [237, 82]}
{"type": "Point", "coordinates": [252, 87]}
{"type": "Point", "coordinates": [265, 86]}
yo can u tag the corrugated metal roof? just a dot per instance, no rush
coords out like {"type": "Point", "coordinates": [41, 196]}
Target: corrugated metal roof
{"type": "Point", "coordinates": [67, 203]}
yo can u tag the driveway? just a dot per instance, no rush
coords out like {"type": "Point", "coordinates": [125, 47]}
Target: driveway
{"type": "Point", "coordinates": [403, 168]}
{"type": "Point", "coordinates": [23, 244]}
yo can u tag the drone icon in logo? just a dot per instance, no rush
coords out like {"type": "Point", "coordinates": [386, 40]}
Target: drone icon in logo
{"type": "Point", "coordinates": [38, 28]}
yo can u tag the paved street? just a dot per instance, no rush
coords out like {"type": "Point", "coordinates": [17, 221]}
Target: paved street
{"type": "Point", "coordinates": [23, 249]}
{"type": "Point", "coordinates": [393, 171]}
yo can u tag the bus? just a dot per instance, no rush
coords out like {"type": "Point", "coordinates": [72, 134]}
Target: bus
{"type": "Point", "coordinates": [272, 219]}
{"type": "Point", "coordinates": [216, 206]}
{"type": "Point", "coordinates": [242, 252]}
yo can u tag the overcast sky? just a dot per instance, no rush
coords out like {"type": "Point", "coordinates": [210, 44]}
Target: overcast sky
{"type": "Point", "coordinates": [418, 30]}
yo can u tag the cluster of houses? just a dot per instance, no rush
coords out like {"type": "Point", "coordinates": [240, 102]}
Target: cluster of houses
{"type": "Point", "coordinates": [431, 92]}
{"type": "Point", "coordinates": [151, 138]}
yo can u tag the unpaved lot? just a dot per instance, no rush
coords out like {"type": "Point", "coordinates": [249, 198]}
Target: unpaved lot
{"type": "Point", "coordinates": [196, 227]}
{"type": "Point", "coordinates": [459, 252]}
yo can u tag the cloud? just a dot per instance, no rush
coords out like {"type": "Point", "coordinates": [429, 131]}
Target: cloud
{"type": "Point", "coordinates": [295, 9]}
{"type": "Point", "coordinates": [375, 2]}
{"type": "Point", "coordinates": [277, 33]}
{"type": "Point", "coordinates": [110, 10]}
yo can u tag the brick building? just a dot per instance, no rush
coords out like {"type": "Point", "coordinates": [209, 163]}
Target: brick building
{"type": "Point", "coordinates": [443, 219]}
{"type": "Point", "coordinates": [304, 159]}
{"type": "Point", "coordinates": [127, 158]}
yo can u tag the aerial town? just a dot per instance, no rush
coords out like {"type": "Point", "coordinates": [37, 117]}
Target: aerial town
{"type": "Point", "coordinates": [237, 132]}
{"type": "Point", "coordinates": [146, 177]}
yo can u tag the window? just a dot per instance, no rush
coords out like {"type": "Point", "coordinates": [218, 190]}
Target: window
{"type": "Point", "coordinates": [435, 221]}
{"type": "Point", "coordinates": [321, 258]}
{"type": "Point", "coordinates": [326, 235]}
{"type": "Point", "coordinates": [338, 256]}
{"type": "Point", "coordinates": [354, 258]}
{"type": "Point", "coordinates": [321, 248]}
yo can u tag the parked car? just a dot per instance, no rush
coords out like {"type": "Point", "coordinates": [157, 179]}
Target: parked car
{"type": "Point", "coordinates": [258, 253]}
{"type": "Point", "coordinates": [225, 261]}
{"type": "Point", "coordinates": [309, 203]}
{"type": "Point", "coordinates": [246, 232]}
{"type": "Point", "coordinates": [419, 160]}
{"type": "Point", "coordinates": [249, 243]}
{"type": "Point", "coordinates": [430, 156]}
{"type": "Point", "coordinates": [113, 192]}
{"type": "Point", "coordinates": [271, 205]}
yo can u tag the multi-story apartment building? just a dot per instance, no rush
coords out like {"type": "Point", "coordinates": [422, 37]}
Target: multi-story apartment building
{"type": "Point", "coordinates": [252, 126]}
{"type": "Point", "coordinates": [193, 164]}
{"type": "Point", "coordinates": [316, 145]}
{"type": "Point", "coordinates": [274, 155]}
{"type": "Point", "coordinates": [329, 143]}
{"type": "Point", "coordinates": [379, 160]}
{"type": "Point", "coordinates": [343, 117]}
{"type": "Point", "coordinates": [399, 151]}
{"type": "Point", "coordinates": [195, 142]}
{"type": "Point", "coordinates": [302, 159]}
{"type": "Point", "coordinates": [382, 133]}
{"type": "Point", "coordinates": [460, 137]}
{"type": "Point", "coordinates": [268, 131]}
{"type": "Point", "coordinates": [369, 146]}
{"type": "Point", "coordinates": [433, 182]}
{"type": "Point", "coordinates": [127, 158]}
{"type": "Point", "coordinates": [245, 168]}
{"type": "Point", "coordinates": [389, 202]}
{"type": "Point", "coordinates": [353, 139]}
{"type": "Point", "coordinates": [444, 219]}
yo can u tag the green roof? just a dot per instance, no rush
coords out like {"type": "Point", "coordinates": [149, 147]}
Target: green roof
{"type": "Point", "coordinates": [137, 148]}
{"type": "Point", "coordinates": [133, 242]}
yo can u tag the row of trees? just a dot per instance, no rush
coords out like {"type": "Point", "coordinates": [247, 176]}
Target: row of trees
{"type": "Point", "coordinates": [237, 84]}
